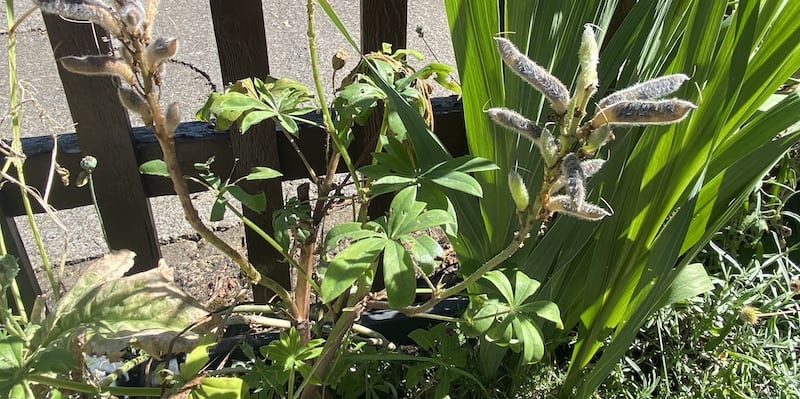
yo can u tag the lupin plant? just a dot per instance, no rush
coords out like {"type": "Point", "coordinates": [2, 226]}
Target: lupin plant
{"type": "Point", "coordinates": [568, 144]}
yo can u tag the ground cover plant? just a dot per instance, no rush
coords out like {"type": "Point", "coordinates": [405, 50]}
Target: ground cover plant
{"type": "Point", "coordinates": [569, 238]}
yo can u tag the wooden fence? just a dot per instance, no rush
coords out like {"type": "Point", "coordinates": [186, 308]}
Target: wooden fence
{"type": "Point", "coordinates": [104, 131]}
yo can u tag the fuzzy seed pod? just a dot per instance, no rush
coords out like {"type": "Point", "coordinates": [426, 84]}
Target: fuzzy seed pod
{"type": "Point", "coordinates": [549, 147]}
{"type": "Point", "coordinates": [589, 167]}
{"type": "Point", "coordinates": [648, 90]}
{"type": "Point", "coordinates": [538, 77]}
{"type": "Point", "coordinates": [99, 65]}
{"type": "Point", "coordinates": [94, 11]}
{"type": "Point", "coordinates": [574, 176]}
{"type": "Point", "coordinates": [133, 101]}
{"type": "Point", "coordinates": [584, 210]}
{"type": "Point", "coordinates": [159, 51]}
{"type": "Point", "coordinates": [519, 193]}
{"type": "Point", "coordinates": [643, 113]}
{"type": "Point", "coordinates": [132, 14]}
{"type": "Point", "coordinates": [597, 139]}
{"type": "Point", "coordinates": [172, 118]}
{"type": "Point", "coordinates": [512, 120]}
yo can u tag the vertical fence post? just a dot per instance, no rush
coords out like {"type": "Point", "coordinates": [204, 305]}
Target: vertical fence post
{"type": "Point", "coordinates": [26, 279]}
{"type": "Point", "coordinates": [242, 48]}
{"type": "Point", "coordinates": [103, 131]}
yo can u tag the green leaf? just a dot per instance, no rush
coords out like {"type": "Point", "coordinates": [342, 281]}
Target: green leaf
{"type": "Point", "coordinates": [256, 202]}
{"type": "Point", "coordinates": [544, 309]}
{"type": "Point", "coordinates": [531, 337]}
{"type": "Point", "coordinates": [352, 231]}
{"type": "Point", "coordinates": [262, 173]}
{"type": "Point", "coordinates": [460, 181]}
{"type": "Point", "coordinates": [348, 265]}
{"type": "Point", "coordinates": [502, 283]}
{"type": "Point", "coordinates": [253, 118]}
{"type": "Point", "coordinates": [398, 275]}
{"type": "Point", "coordinates": [155, 167]}
{"type": "Point", "coordinates": [218, 209]}
{"type": "Point", "coordinates": [197, 358]}
{"type": "Point", "coordinates": [690, 282]}
{"type": "Point", "coordinates": [106, 313]}
{"type": "Point", "coordinates": [220, 388]}
{"type": "Point", "coordinates": [425, 251]}
{"type": "Point", "coordinates": [233, 101]}
{"type": "Point", "coordinates": [10, 353]}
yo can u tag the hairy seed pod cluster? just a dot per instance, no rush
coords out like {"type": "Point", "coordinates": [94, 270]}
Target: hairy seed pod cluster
{"type": "Point", "coordinates": [538, 77]}
{"type": "Point", "coordinates": [100, 65]}
{"type": "Point", "coordinates": [643, 113]}
{"type": "Point", "coordinates": [649, 90]}
{"type": "Point", "coordinates": [516, 122]}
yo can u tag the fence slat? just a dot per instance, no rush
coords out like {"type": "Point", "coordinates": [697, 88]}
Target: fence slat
{"type": "Point", "coordinates": [242, 48]}
{"type": "Point", "coordinates": [29, 287]}
{"type": "Point", "coordinates": [104, 132]}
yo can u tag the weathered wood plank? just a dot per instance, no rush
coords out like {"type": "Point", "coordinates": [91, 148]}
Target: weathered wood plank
{"type": "Point", "coordinates": [104, 132]}
{"type": "Point", "coordinates": [196, 141]}
{"type": "Point", "coordinates": [242, 49]}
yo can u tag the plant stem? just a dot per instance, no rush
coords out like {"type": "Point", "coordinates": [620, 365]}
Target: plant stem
{"type": "Point", "coordinates": [97, 210]}
{"type": "Point", "coordinates": [16, 144]}
{"type": "Point", "coordinates": [91, 389]}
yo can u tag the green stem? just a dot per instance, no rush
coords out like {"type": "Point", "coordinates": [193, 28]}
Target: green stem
{"type": "Point", "coordinates": [97, 210]}
{"type": "Point", "coordinates": [127, 366]}
{"type": "Point", "coordinates": [16, 143]}
{"type": "Point", "coordinates": [323, 104]}
{"type": "Point", "coordinates": [490, 264]}
{"type": "Point", "coordinates": [91, 389]}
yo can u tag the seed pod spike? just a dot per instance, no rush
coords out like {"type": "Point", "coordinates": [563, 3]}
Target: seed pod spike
{"type": "Point", "coordinates": [575, 179]}
{"type": "Point", "coordinates": [538, 77]}
{"type": "Point", "coordinates": [648, 90]}
{"type": "Point", "coordinates": [99, 65]}
{"type": "Point", "coordinates": [635, 113]}
{"type": "Point", "coordinates": [512, 120]}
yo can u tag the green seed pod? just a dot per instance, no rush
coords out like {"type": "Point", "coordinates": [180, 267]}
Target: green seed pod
{"type": "Point", "coordinates": [538, 77]}
{"type": "Point", "coordinates": [172, 118]}
{"type": "Point", "coordinates": [648, 90]}
{"type": "Point", "coordinates": [159, 51]}
{"type": "Point", "coordinates": [99, 65]}
{"type": "Point", "coordinates": [134, 101]}
{"type": "Point", "coordinates": [588, 56]}
{"type": "Point", "coordinates": [635, 113]}
{"type": "Point", "coordinates": [519, 193]}
{"type": "Point", "coordinates": [88, 163]}
{"type": "Point", "coordinates": [512, 120]}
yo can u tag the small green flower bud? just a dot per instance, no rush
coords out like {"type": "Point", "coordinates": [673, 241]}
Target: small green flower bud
{"type": "Point", "coordinates": [519, 193]}
{"type": "Point", "coordinates": [88, 163]}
